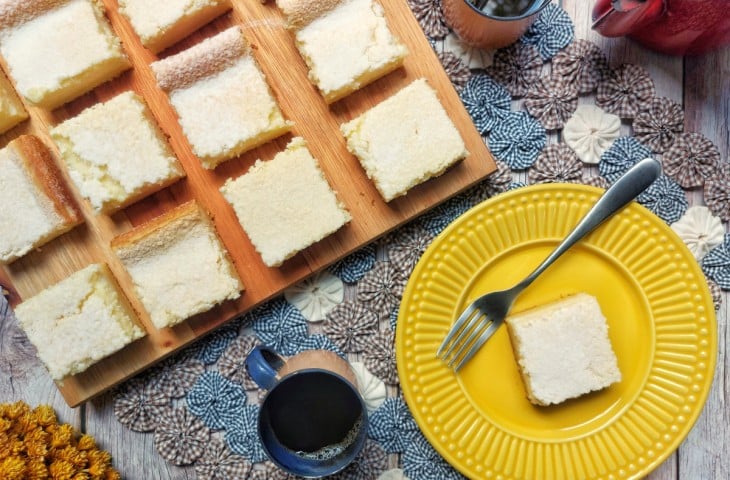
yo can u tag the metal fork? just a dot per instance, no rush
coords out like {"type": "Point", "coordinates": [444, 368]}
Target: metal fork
{"type": "Point", "coordinates": [484, 315]}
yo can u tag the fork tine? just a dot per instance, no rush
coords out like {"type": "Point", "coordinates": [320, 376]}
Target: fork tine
{"type": "Point", "coordinates": [493, 326]}
{"type": "Point", "coordinates": [472, 322]}
{"type": "Point", "coordinates": [476, 327]}
{"type": "Point", "coordinates": [456, 328]}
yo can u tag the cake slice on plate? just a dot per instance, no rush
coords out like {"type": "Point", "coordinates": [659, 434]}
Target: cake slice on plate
{"type": "Point", "coordinates": [563, 349]}
{"type": "Point", "coordinates": [115, 153]}
{"type": "Point", "coordinates": [78, 321]}
{"type": "Point", "coordinates": [224, 105]}
{"type": "Point", "coordinates": [285, 204]}
{"type": "Point", "coordinates": [58, 50]}
{"type": "Point", "coordinates": [37, 205]}
{"type": "Point", "coordinates": [345, 43]}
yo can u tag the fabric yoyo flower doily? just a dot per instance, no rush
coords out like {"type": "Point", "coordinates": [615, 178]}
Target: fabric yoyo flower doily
{"type": "Point", "coordinates": [716, 264]}
{"type": "Point", "coordinates": [232, 364]}
{"type": "Point", "coordinates": [393, 474]}
{"type": "Point", "coordinates": [175, 376]}
{"type": "Point", "coordinates": [215, 344]}
{"type": "Point", "coordinates": [518, 140]}
{"type": "Point", "coordinates": [380, 357]}
{"type": "Point", "coordinates": [487, 102]}
{"type": "Point", "coordinates": [658, 126]}
{"type": "Point", "coordinates": [429, 16]}
{"type": "Point", "coordinates": [665, 198]}
{"type": "Point", "coordinates": [457, 70]}
{"type": "Point", "coordinates": [381, 289]}
{"type": "Point", "coordinates": [552, 101]}
{"type": "Point", "coordinates": [557, 163]}
{"type": "Point", "coordinates": [350, 326]}
{"type": "Point", "coordinates": [626, 91]}
{"type": "Point", "coordinates": [516, 67]}
{"type": "Point", "coordinates": [216, 400]}
{"type": "Point", "coordinates": [582, 63]}
{"type": "Point", "coordinates": [320, 342]}
{"type": "Point", "coordinates": [700, 230]}
{"type": "Point", "coordinates": [497, 182]}
{"type": "Point", "coordinates": [354, 266]}
{"type": "Point", "coordinates": [138, 406]}
{"type": "Point", "coordinates": [596, 181]}
{"type": "Point", "coordinates": [552, 31]}
{"type": "Point", "coordinates": [436, 219]}
{"type": "Point", "coordinates": [180, 436]}
{"type": "Point", "coordinates": [367, 465]}
{"type": "Point", "coordinates": [392, 425]}
{"type": "Point", "coordinates": [691, 160]}
{"type": "Point", "coordinates": [624, 153]}
{"type": "Point", "coordinates": [421, 461]}
{"type": "Point", "coordinates": [371, 388]}
{"type": "Point", "coordinates": [316, 296]}
{"type": "Point", "coordinates": [474, 58]}
{"type": "Point", "coordinates": [279, 325]}
{"type": "Point", "coordinates": [717, 195]}
{"type": "Point", "coordinates": [406, 246]}
{"type": "Point", "coordinates": [590, 132]}
{"type": "Point", "coordinates": [219, 463]}
{"type": "Point", "coordinates": [242, 435]}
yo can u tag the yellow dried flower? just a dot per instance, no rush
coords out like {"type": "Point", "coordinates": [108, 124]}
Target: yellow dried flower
{"type": "Point", "coordinates": [12, 468]}
{"type": "Point", "coordinates": [34, 446]}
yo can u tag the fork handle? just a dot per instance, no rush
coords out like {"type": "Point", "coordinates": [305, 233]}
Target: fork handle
{"type": "Point", "coordinates": [623, 191]}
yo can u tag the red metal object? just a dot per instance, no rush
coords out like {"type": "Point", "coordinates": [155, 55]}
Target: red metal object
{"type": "Point", "coordinates": [676, 27]}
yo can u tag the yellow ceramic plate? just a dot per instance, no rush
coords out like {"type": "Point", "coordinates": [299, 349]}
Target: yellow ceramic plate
{"type": "Point", "coordinates": [661, 324]}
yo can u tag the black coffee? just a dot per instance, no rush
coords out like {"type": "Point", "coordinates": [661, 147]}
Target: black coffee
{"type": "Point", "coordinates": [503, 8]}
{"type": "Point", "coordinates": [313, 412]}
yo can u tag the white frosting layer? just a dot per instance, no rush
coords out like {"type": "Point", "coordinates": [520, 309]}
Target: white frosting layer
{"type": "Point", "coordinates": [346, 44]}
{"type": "Point", "coordinates": [27, 214]}
{"type": "Point", "coordinates": [285, 204]}
{"type": "Point", "coordinates": [113, 151]}
{"type": "Point", "coordinates": [47, 51]}
{"type": "Point", "coordinates": [404, 140]}
{"type": "Point", "coordinates": [78, 321]}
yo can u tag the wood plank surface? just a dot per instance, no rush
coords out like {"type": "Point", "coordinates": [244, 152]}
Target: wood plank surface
{"type": "Point", "coordinates": [274, 49]}
{"type": "Point", "coordinates": [701, 83]}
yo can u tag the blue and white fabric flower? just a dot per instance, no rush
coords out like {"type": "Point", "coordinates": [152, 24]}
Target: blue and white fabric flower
{"type": "Point", "coordinates": [242, 435]}
{"type": "Point", "coordinates": [421, 461]}
{"type": "Point", "coordinates": [393, 426]}
{"type": "Point", "coordinates": [518, 140]}
{"type": "Point", "coordinates": [437, 219]}
{"type": "Point", "coordinates": [353, 267]}
{"type": "Point", "coordinates": [216, 343]}
{"type": "Point", "coordinates": [552, 31]}
{"type": "Point", "coordinates": [665, 198]}
{"type": "Point", "coordinates": [280, 326]}
{"type": "Point", "coordinates": [216, 400]}
{"type": "Point", "coordinates": [716, 264]}
{"type": "Point", "coordinates": [320, 342]}
{"type": "Point", "coordinates": [486, 101]}
{"type": "Point", "coordinates": [623, 154]}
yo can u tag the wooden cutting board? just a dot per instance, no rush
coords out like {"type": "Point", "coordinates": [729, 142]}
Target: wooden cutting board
{"type": "Point", "coordinates": [317, 122]}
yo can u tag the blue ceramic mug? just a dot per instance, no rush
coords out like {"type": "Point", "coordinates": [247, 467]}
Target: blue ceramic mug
{"type": "Point", "coordinates": [313, 421]}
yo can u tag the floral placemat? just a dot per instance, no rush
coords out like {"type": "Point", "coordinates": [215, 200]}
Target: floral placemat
{"type": "Point", "coordinates": [551, 109]}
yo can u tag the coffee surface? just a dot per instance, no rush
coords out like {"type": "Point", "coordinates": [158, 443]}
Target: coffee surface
{"type": "Point", "coordinates": [503, 8]}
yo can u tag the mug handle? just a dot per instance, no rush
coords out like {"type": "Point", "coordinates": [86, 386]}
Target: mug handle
{"type": "Point", "coordinates": [263, 364]}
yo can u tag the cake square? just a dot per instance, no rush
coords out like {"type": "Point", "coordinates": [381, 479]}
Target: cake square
{"type": "Point", "coordinates": [563, 349]}
{"type": "Point", "coordinates": [170, 20]}
{"type": "Point", "coordinates": [36, 203]}
{"type": "Point", "coordinates": [178, 265]}
{"type": "Point", "coordinates": [12, 111]}
{"type": "Point", "coordinates": [222, 100]}
{"type": "Point", "coordinates": [405, 140]}
{"type": "Point", "coordinates": [285, 204]}
{"type": "Point", "coordinates": [78, 321]}
{"type": "Point", "coordinates": [58, 50]}
{"type": "Point", "coordinates": [345, 43]}
{"type": "Point", "coordinates": [115, 153]}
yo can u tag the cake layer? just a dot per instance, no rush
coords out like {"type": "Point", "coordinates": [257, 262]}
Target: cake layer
{"type": "Point", "coordinates": [171, 20]}
{"type": "Point", "coordinates": [78, 321]}
{"type": "Point", "coordinates": [115, 153]}
{"type": "Point", "coordinates": [60, 50]}
{"type": "Point", "coordinates": [563, 349]}
{"type": "Point", "coordinates": [12, 111]}
{"type": "Point", "coordinates": [222, 100]}
{"type": "Point", "coordinates": [346, 46]}
{"type": "Point", "coordinates": [405, 140]}
{"type": "Point", "coordinates": [178, 265]}
{"type": "Point", "coordinates": [36, 203]}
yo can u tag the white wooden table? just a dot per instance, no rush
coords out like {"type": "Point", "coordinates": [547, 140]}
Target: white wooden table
{"type": "Point", "coordinates": [701, 85]}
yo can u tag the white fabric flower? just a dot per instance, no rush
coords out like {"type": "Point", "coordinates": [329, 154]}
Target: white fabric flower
{"type": "Point", "coordinates": [590, 132]}
{"type": "Point", "coordinates": [394, 474]}
{"type": "Point", "coordinates": [474, 58]}
{"type": "Point", "coordinates": [316, 296]}
{"type": "Point", "coordinates": [372, 388]}
{"type": "Point", "coordinates": [700, 230]}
